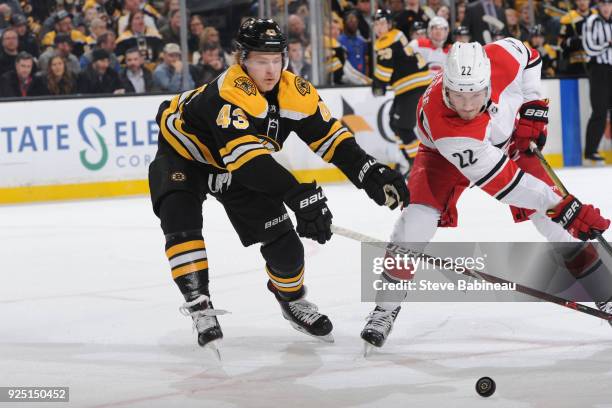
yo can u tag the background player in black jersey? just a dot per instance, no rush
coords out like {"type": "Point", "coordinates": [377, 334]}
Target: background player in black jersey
{"type": "Point", "coordinates": [217, 140]}
{"type": "Point", "coordinates": [406, 71]}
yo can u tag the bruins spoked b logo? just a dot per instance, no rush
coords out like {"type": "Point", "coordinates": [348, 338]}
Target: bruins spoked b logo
{"type": "Point", "coordinates": [302, 85]}
{"type": "Point", "coordinates": [178, 176]}
{"type": "Point", "coordinates": [246, 85]}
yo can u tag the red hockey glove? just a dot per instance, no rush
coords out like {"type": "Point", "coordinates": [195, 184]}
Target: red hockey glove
{"type": "Point", "coordinates": [531, 125]}
{"type": "Point", "coordinates": [580, 220]}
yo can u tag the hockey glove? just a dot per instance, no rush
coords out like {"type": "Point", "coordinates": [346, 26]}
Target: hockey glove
{"type": "Point", "coordinates": [314, 219]}
{"type": "Point", "coordinates": [383, 185]}
{"type": "Point", "coordinates": [581, 221]}
{"type": "Point", "coordinates": [531, 125]}
{"type": "Point", "coordinates": [379, 88]}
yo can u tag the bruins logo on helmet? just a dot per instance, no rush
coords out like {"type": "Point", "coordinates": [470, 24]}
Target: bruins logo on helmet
{"type": "Point", "coordinates": [270, 32]}
{"type": "Point", "coordinates": [246, 85]}
{"type": "Point", "coordinates": [302, 85]}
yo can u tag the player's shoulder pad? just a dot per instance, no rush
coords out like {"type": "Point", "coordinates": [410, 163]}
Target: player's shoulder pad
{"type": "Point", "coordinates": [390, 38]}
{"type": "Point", "coordinates": [237, 88]}
{"type": "Point", "coordinates": [297, 98]}
{"type": "Point", "coordinates": [514, 49]}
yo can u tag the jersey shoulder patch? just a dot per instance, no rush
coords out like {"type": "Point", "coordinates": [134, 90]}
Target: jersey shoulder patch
{"type": "Point", "coordinates": [297, 98]}
{"type": "Point", "coordinates": [237, 88]}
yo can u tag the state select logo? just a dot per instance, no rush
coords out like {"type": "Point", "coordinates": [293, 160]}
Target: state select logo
{"type": "Point", "coordinates": [101, 143]}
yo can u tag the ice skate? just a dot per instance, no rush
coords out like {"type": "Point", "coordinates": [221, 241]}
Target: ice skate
{"type": "Point", "coordinates": [605, 307]}
{"type": "Point", "coordinates": [378, 327]}
{"type": "Point", "coordinates": [205, 322]}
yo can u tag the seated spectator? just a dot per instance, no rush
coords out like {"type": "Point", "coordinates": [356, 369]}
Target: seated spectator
{"type": "Point", "coordinates": [537, 41]}
{"type": "Point", "coordinates": [434, 6]}
{"type": "Point", "coordinates": [146, 39]}
{"type": "Point", "coordinates": [107, 42]}
{"type": "Point", "coordinates": [63, 24]}
{"type": "Point", "coordinates": [171, 32]}
{"type": "Point", "coordinates": [9, 50]}
{"type": "Point", "coordinates": [460, 14]}
{"type": "Point", "coordinates": [27, 40]}
{"type": "Point", "coordinates": [210, 36]}
{"type": "Point", "coordinates": [63, 48]}
{"type": "Point", "coordinates": [97, 27]}
{"type": "Point", "coordinates": [168, 75]}
{"type": "Point", "coordinates": [356, 47]}
{"type": "Point", "coordinates": [131, 6]}
{"type": "Point", "coordinates": [474, 22]}
{"type": "Point", "coordinates": [167, 9]}
{"type": "Point", "coordinates": [57, 80]}
{"type": "Point", "coordinates": [515, 29]}
{"type": "Point", "coordinates": [99, 78]}
{"type": "Point", "coordinates": [364, 15]}
{"type": "Point", "coordinates": [19, 82]}
{"type": "Point", "coordinates": [407, 14]}
{"type": "Point", "coordinates": [196, 28]}
{"type": "Point", "coordinates": [211, 64]}
{"type": "Point", "coordinates": [297, 29]}
{"type": "Point", "coordinates": [297, 65]}
{"type": "Point", "coordinates": [135, 77]}
{"type": "Point", "coordinates": [444, 12]}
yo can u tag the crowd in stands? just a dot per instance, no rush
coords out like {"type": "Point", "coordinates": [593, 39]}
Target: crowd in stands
{"type": "Point", "coordinates": [69, 47]}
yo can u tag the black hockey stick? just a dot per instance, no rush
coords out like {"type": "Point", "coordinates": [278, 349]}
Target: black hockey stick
{"type": "Point", "coordinates": [396, 249]}
{"type": "Point", "coordinates": [551, 173]}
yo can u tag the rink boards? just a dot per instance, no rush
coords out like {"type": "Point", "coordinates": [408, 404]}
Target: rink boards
{"type": "Point", "coordinates": [102, 147]}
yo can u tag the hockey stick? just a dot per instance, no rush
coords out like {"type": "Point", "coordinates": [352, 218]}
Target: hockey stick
{"type": "Point", "coordinates": [356, 236]}
{"type": "Point", "coordinates": [551, 173]}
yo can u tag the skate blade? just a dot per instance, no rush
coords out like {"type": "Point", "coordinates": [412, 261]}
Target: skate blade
{"type": "Point", "coordinates": [214, 346]}
{"type": "Point", "coordinates": [328, 338]}
{"type": "Point", "coordinates": [368, 349]}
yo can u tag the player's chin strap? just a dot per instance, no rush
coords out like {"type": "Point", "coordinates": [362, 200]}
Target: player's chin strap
{"type": "Point", "coordinates": [399, 250]}
{"type": "Point", "coordinates": [551, 173]}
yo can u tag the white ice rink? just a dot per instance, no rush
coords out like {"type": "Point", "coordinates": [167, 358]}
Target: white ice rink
{"type": "Point", "coordinates": [87, 301]}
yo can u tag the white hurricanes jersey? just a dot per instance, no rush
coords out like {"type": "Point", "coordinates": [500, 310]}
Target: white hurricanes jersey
{"type": "Point", "coordinates": [478, 147]}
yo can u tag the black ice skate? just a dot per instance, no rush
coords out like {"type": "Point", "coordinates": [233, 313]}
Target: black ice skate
{"type": "Point", "coordinates": [304, 317]}
{"type": "Point", "coordinates": [605, 307]}
{"type": "Point", "coordinates": [205, 322]}
{"type": "Point", "coordinates": [379, 325]}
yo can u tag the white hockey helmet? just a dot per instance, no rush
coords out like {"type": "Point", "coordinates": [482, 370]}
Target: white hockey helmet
{"type": "Point", "coordinates": [437, 21]}
{"type": "Point", "coordinates": [467, 69]}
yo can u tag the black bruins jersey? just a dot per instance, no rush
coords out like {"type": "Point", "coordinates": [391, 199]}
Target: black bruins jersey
{"type": "Point", "coordinates": [398, 64]}
{"type": "Point", "coordinates": [228, 122]}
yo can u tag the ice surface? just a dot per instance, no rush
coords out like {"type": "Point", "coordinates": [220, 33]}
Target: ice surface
{"type": "Point", "coordinates": [87, 301]}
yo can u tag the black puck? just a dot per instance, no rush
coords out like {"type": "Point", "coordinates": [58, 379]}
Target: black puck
{"type": "Point", "coordinates": [485, 386]}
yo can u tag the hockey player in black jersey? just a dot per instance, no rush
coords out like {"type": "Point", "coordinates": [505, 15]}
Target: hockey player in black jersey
{"type": "Point", "coordinates": [406, 71]}
{"type": "Point", "coordinates": [217, 140]}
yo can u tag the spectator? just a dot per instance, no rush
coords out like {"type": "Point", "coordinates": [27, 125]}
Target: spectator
{"type": "Point", "coordinates": [211, 63]}
{"type": "Point", "coordinates": [364, 15]}
{"type": "Point", "coordinates": [63, 24]}
{"type": "Point", "coordinates": [168, 75]}
{"type": "Point", "coordinates": [9, 51]}
{"type": "Point", "coordinates": [99, 78]}
{"type": "Point", "coordinates": [296, 28]}
{"type": "Point", "coordinates": [356, 47]}
{"type": "Point", "coordinates": [514, 27]}
{"type": "Point", "coordinates": [405, 15]}
{"type": "Point", "coordinates": [171, 32]}
{"type": "Point", "coordinates": [57, 80]}
{"type": "Point", "coordinates": [27, 40]}
{"type": "Point", "coordinates": [14, 7]}
{"type": "Point", "coordinates": [297, 65]}
{"type": "Point", "coordinates": [62, 47]}
{"type": "Point", "coordinates": [135, 77]}
{"type": "Point", "coordinates": [434, 6]}
{"type": "Point", "coordinates": [196, 28]}
{"type": "Point", "coordinates": [210, 36]}
{"type": "Point", "coordinates": [138, 35]}
{"type": "Point", "coordinates": [19, 82]}
{"type": "Point", "coordinates": [107, 42]}
{"type": "Point", "coordinates": [97, 28]}
{"type": "Point", "coordinates": [5, 14]}
{"type": "Point", "coordinates": [460, 14]}
{"type": "Point", "coordinates": [474, 22]}
{"type": "Point", "coordinates": [167, 9]}
{"type": "Point", "coordinates": [150, 15]}
{"type": "Point", "coordinates": [444, 12]}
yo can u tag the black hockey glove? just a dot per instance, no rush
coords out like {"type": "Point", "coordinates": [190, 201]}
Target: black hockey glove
{"type": "Point", "coordinates": [314, 219]}
{"type": "Point", "coordinates": [379, 88]}
{"type": "Point", "coordinates": [383, 185]}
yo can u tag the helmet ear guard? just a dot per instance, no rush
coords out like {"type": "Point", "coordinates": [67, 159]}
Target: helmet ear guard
{"type": "Point", "coordinates": [467, 69]}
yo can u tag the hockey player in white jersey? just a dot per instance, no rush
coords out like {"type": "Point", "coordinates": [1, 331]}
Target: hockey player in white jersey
{"type": "Point", "coordinates": [433, 48]}
{"type": "Point", "coordinates": [476, 122]}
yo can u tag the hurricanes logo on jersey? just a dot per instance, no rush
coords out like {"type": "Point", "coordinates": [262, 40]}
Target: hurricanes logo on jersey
{"type": "Point", "coordinates": [302, 85]}
{"type": "Point", "coordinates": [246, 85]}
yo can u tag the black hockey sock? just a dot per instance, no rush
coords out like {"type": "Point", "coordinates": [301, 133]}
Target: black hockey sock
{"type": "Point", "coordinates": [186, 253]}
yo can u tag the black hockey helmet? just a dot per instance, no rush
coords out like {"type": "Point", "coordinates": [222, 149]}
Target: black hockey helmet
{"type": "Point", "coordinates": [536, 31]}
{"type": "Point", "coordinates": [461, 30]}
{"type": "Point", "coordinates": [418, 26]}
{"type": "Point", "coordinates": [382, 13]}
{"type": "Point", "coordinates": [259, 34]}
